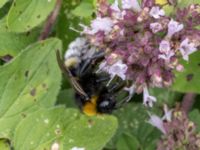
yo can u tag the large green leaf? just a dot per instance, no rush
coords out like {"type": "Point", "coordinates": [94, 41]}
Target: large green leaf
{"type": "Point", "coordinates": [2, 2]}
{"type": "Point", "coordinates": [12, 43]}
{"type": "Point", "coordinates": [188, 80]}
{"type": "Point", "coordinates": [67, 127]}
{"type": "Point", "coordinates": [4, 145]}
{"type": "Point", "coordinates": [90, 132]}
{"type": "Point", "coordinates": [195, 117]}
{"type": "Point", "coordinates": [133, 121]}
{"type": "Point", "coordinates": [27, 14]}
{"type": "Point", "coordinates": [86, 7]}
{"type": "Point", "coordinates": [29, 81]}
{"type": "Point", "coordinates": [128, 142]}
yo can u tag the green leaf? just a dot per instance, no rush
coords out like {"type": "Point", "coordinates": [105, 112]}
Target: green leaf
{"type": "Point", "coordinates": [4, 145]}
{"type": "Point", "coordinates": [66, 97]}
{"type": "Point", "coordinates": [185, 3]}
{"type": "Point", "coordinates": [85, 7]}
{"type": "Point", "coordinates": [188, 80]}
{"type": "Point", "coordinates": [67, 127]}
{"type": "Point", "coordinates": [90, 132]}
{"type": "Point", "coordinates": [12, 43]}
{"type": "Point", "coordinates": [2, 2]}
{"type": "Point", "coordinates": [66, 20]}
{"type": "Point", "coordinates": [195, 117]}
{"type": "Point", "coordinates": [27, 14]}
{"type": "Point", "coordinates": [128, 142]}
{"type": "Point", "coordinates": [165, 96]}
{"type": "Point", "coordinates": [133, 120]}
{"type": "Point", "coordinates": [29, 81]}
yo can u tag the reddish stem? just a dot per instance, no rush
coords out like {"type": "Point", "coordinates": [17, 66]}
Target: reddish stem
{"type": "Point", "coordinates": [50, 21]}
{"type": "Point", "coordinates": [188, 101]}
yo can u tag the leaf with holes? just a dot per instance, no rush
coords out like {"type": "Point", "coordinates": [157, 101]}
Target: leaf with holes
{"type": "Point", "coordinates": [29, 81]}
{"type": "Point", "coordinates": [27, 14]}
{"type": "Point", "coordinates": [188, 80]}
{"type": "Point", "coordinates": [66, 128]}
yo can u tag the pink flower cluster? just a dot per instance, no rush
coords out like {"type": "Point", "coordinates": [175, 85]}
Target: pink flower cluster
{"type": "Point", "coordinates": [178, 131]}
{"type": "Point", "coordinates": [141, 43]}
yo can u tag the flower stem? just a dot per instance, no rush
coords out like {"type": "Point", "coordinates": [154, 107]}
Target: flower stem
{"type": "Point", "coordinates": [188, 101]}
{"type": "Point", "coordinates": [50, 21]}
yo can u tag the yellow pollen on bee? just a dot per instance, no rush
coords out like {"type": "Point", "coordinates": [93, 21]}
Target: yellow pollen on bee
{"type": "Point", "coordinates": [71, 62]}
{"type": "Point", "coordinates": [90, 107]}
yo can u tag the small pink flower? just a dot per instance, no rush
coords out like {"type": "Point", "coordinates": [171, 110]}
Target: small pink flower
{"type": "Point", "coordinates": [164, 47]}
{"type": "Point", "coordinates": [166, 56]}
{"type": "Point", "coordinates": [119, 69]}
{"type": "Point", "coordinates": [148, 100]}
{"type": "Point", "coordinates": [179, 68]}
{"type": "Point", "coordinates": [130, 90]}
{"type": "Point", "coordinates": [99, 24]}
{"type": "Point", "coordinates": [156, 12]}
{"type": "Point", "coordinates": [157, 122]}
{"type": "Point", "coordinates": [131, 4]}
{"type": "Point", "coordinates": [156, 27]}
{"type": "Point", "coordinates": [187, 48]}
{"type": "Point", "coordinates": [174, 27]}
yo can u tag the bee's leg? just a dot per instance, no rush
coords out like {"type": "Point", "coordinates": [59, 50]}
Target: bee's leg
{"type": "Point", "coordinates": [87, 65]}
{"type": "Point", "coordinates": [103, 79]}
{"type": "Point", "coordinates": [116, 87]}
{"type": "Point", "coordinates": [127, 98]}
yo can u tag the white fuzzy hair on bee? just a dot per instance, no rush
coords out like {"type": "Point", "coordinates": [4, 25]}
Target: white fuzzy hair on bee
{"type": "Point", "coordinates": [78, 50]}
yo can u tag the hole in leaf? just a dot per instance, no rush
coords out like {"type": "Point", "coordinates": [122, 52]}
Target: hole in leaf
{"type": "Point", "coordinates": [44, 85]}
{"type": "Point", "coordinates": [33, 92]}
{"type": "Point", "coordinates": [189, 77]}
{"type": "Point", "coordinates": [26, 73]}
{"type": "Point", "coordinates": [23, 115]}
{"type": "Point", "coordinates": [28, 33]}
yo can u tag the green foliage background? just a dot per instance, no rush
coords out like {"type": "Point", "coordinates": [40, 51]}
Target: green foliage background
{"type": "Point", "coordinates": [36, 104]}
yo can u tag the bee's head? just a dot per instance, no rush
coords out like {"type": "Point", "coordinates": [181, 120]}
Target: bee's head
{"type": "Point", "coordinates": [106, 106]}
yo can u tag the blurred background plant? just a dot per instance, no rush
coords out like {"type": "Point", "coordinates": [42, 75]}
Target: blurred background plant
{"type": "Point", "coordinates": [37, 109]}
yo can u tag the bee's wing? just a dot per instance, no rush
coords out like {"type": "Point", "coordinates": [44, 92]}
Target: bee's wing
{"type": "Point", "coordinates": [68, 73]}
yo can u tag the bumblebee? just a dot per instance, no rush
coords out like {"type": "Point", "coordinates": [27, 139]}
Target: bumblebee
{"type": "Point", "coordinates": [92, 95]}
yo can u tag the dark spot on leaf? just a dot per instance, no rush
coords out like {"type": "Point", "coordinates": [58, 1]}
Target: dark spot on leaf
{"type": "Point", "coordinates": [26, 73]}
{"type": "Point", "coordinates": [57, 131]}
{"type": "Point", "coordinates": [189, 77]}
{"type": "Point", "coordinates": [35, 100]}
{"type": "Point", "coordinates": [90, 122]}
{"type": "Point", "coordinates": [14, 4]}
{"type": "Point", "coordinates": [28, 26]}
{"type": "Point", "coordinates": [198, 64]}
{"type": "Point", "coordinates": [44, 85]}
{"type": "Point", "coordinates": [6, 27]}
{"type": "Point", "coordinates": [33, 92]}
{"type": "Point", "coordinates": [28, 33]}
{"type": "Point", "coordinates": [20, 12]}
{"type": "Point", "coordinates": [23, 115]}
{"type": "Point", "coordinates": [38, 16]}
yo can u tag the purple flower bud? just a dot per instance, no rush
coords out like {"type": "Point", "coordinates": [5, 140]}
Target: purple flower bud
{"type": "Point", "coordinates": [187, 48]}
{"type": "Point", "coordinates": [131, 4]}
{"type": "Point", "coordinates": [155, 27]}
{"type": "Point", "coordinates": [148, 100]}
{"type": "Point", "coordinates": [174, 27]}
{"type": "Point", "coordinates": [164, 47]}
{"type": "Point", "coordinates": [156, 12]}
